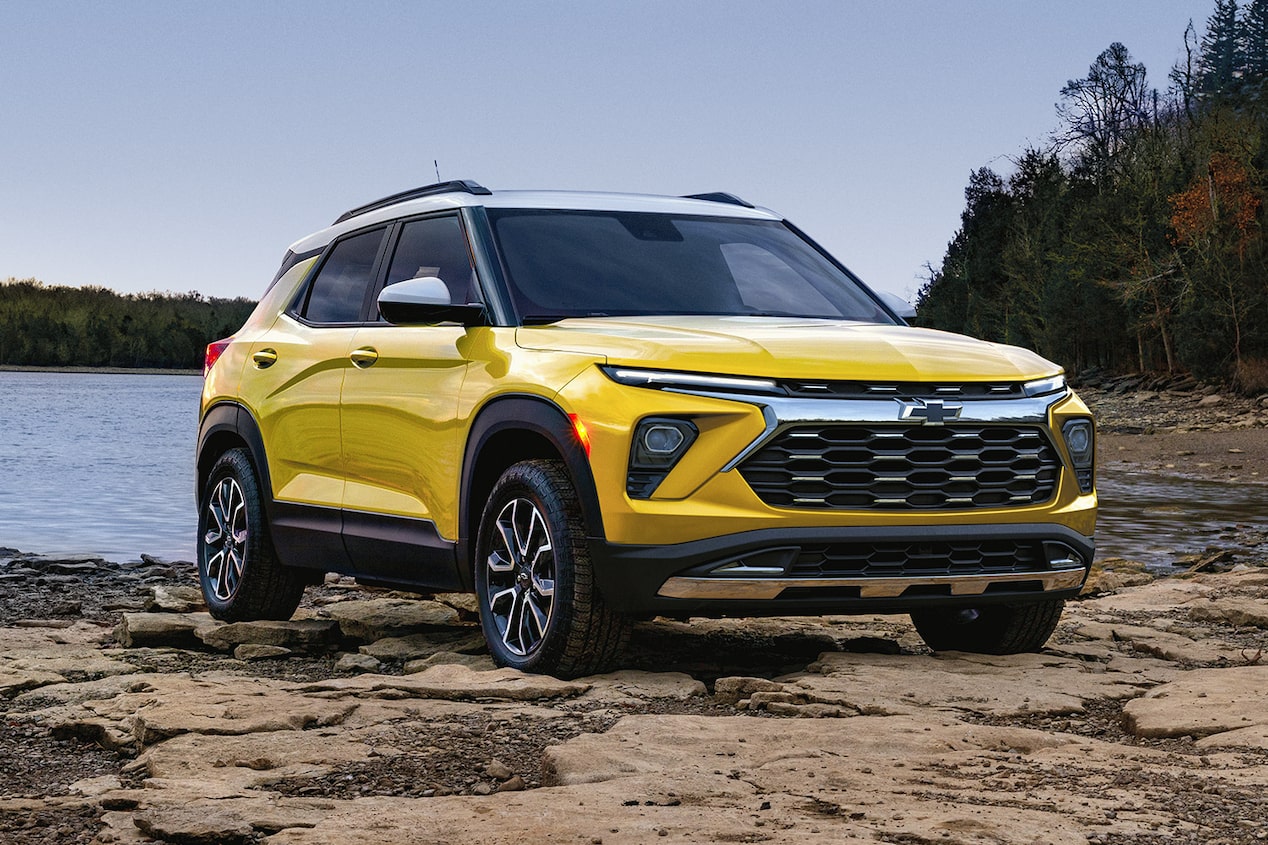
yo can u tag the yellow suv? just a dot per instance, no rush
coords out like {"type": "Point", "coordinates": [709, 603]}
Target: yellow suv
{"type": "Point", "coordinates": [589, 408]}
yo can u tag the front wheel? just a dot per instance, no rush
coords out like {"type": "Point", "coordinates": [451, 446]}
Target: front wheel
{"type": "Point", "coordinates": [539, 606]}
{"type": "Point", "coordinates": [240, 575]}
{"type": "Point", "coordinates": [990, 629]}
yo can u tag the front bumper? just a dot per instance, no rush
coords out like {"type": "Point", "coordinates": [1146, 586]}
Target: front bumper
{"type": "Point", "coordinates": [733, 575]}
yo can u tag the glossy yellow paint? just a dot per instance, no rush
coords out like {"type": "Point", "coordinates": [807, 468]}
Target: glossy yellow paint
{"type": "Point", "coordinates": [385, 433]}
{"type": "Point", "coordinates": [698, 501]}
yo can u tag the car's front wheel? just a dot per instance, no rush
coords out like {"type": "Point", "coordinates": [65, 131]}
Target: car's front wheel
{"type": "Point", "coordinates": [240, 575]}
{"type": "Point", "coordinates": [1012, 628]}
{"type": "Point", "coordinates": [539, 606]}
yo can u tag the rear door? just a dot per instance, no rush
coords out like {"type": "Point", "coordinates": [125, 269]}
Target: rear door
{"type": "Point", "coordinates": [295, 375]}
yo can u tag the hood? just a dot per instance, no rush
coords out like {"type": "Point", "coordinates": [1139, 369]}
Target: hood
{"type": "Point", "coordinates": [777, 347]}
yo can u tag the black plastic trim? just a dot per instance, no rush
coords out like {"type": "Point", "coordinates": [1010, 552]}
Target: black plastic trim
{"type": "Point", "coordinates": [629, 576]}
{"type": "Point", "coordinates": [535, 415]}
{"type": "Point", "coordinates": [400, 550]}
{"type": "Point", "coordinates": [464, 186]}
{"type": "Point", "coordinates": [720, 196]}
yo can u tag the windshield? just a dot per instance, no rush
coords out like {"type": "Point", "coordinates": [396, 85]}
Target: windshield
{"type": "Point", "coordinates": [599, 263]}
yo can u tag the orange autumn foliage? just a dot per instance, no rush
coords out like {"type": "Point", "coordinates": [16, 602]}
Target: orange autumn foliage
{"type": "Point", "coordinates": [1224, 198]}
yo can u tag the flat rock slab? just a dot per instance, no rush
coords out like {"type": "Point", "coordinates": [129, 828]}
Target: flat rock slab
{"type": "Point", "coordinates": [1203, 703]}
{"type": "Point", "coordinates": [878, 684]}
{"type": "Point", "coordinates": [417, 646]}
{"type": "Point", "coordinates": [456, 682]}
{"type": "Point", "coordinates": [1242, 612]}
{"type": "Point", "coordinates": [631, 683]}
{"type": "Point", "coordinates": [162, 629]}
{"type": "Point", "coordinates": [373, 619]}
{"type": "Point", "coordinates": [173, 705]}
{"type": "Point", "coordinates": [298, 634]}
{"type": "Point", "coordinates": [1166, 645]}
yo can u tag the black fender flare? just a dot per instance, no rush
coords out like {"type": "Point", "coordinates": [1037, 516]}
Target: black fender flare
{"type": "Point", "coordinates": [231, 418]}
{"type": "Point", "coordinates": [538, 416]}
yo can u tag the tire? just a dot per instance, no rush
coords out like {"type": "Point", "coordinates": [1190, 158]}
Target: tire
{"type": "Point", "coordinates": [539, 606]}
{"type": "Point", "coordinates": [990, 629]}
{"type": "Point", "coordinates": [238, 570]}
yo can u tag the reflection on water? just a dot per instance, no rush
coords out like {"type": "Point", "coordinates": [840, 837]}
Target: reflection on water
{"type": "Point", "coordinates": [98, 463]}
{"type": "Point", "coordinates": [1155, 519]}
{"type": "Point", "coordinates": [103, 464]}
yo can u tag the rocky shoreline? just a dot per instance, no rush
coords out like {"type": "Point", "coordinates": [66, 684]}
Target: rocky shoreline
{"type": "Point", "coordinates": [130, 716]}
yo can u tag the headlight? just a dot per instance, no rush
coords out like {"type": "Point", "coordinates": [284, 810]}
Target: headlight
{"type": "Point", "coordinates": [658, 444]}
{"type": "Point", "coordinates": [1044, 386]}
{"type": "Point", "coordinates": [660, 379]}
{"type": "Point", "coordinates": [1080, 441]}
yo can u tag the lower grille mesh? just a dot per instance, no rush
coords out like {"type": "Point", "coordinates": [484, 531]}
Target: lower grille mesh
{"type": "Point", "coordinates": [899, 559]}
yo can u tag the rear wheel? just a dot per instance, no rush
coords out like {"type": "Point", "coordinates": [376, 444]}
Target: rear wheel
{"type": "Point", "coordinates": [990, 629]}
{"type": "Point", "coordinates": [539, 606]}
{"type": "Point", "coordinates": [240, 575]}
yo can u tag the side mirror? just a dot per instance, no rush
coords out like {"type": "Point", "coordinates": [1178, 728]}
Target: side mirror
{"type": "Point", "coordinates": [897, 304]}
{"type": "Point", "coordinates": [425, 302]}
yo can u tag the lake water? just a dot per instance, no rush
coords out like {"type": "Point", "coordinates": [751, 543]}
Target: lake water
{"type": "Point", "coordinates": [98, 463]}
{"type": "Point", "coordinates": [104, 464]}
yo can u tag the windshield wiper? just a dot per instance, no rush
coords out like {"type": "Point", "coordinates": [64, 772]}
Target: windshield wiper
{"type": "Point", "coordinates": [547, 319]}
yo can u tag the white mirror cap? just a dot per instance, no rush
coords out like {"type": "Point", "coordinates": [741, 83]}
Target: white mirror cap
{"type": "Point", "coordinates": [897, 304]}
{"type": "Point", "coordinates": [425, 290]}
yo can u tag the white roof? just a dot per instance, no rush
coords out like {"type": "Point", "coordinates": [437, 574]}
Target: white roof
{"type": "Point", "coordinates": [578, 200]}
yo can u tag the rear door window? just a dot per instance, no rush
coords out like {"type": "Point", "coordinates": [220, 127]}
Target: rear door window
{"type": "Point", "coordinates": [338, 294]}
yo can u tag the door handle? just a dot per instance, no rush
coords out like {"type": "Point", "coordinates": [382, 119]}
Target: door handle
{"type": "Point", "coordinates": [364, 357]}
{"type": "Point", "coordinates": [265, 358]}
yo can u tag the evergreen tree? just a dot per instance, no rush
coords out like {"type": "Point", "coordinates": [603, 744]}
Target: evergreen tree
{"type": "Point", "coordinates": [1222, 60]}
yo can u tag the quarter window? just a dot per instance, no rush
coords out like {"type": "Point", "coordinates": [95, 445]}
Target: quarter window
{"type": "Point", "coordinates": [338, 293]}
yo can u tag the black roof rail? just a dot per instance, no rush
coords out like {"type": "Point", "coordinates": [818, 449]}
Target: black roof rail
{"type": "Point", "coordinates": [720, 196]}
{"type": "Point", "coordinates": [465, 186]}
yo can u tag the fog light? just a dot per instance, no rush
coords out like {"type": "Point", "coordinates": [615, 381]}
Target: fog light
{"type": "Point", "coordinates": [1081, 443]}
{"type": "Point", "coordinates": [658, 444]}
{"type": "Point", "coordinates": [662, 439]}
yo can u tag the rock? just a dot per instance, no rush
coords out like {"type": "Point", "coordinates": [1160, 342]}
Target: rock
{"type": "Point", "coordinates": [732, 690]}
{"type": "Point", "coordinates": [497, 770]}
{"type": "Point", "coordinates": [256, 651]}
{"type": "Point", "coordinates": [464, 603]}
{"type": "Point", "coordinates": [373, 619]}
{"type": "Point", "coordinates": [351, 662]}
{"type": "Point", "coordinates": [416, 646]}
{"type": "Point", "coordinates": [198, 825]}
{"type": "Point", "coordinates": [1157, 643]}
{"type": "Point", "coordinates": [633, 683]}
{"type": "Point", "coordinates": [14, 681]}
{"type": "Point", "coordinates": [479, 662]}
{"type": "Point", "coordinates": [457, 682]}
{"type": "Point", "coordinates": [162, 629]}
{"type": "Point", "coordinates": [1211, 401]}
{"type": "Point", "coordinates": [1201, 703]}
{"type": "Point", "coordinates": [482, 788]}
{"type": "Point", "coordinates": [513, 784]}
{"type": "Point", "coordinates": [1241, 612]}
{"type": "Point", "coordinates": [301, 634]}
{"type": "Point", "coordinates": [175, 598]}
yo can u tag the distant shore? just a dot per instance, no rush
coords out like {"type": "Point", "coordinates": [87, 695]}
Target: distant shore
{"type": "Point", "coordinates": [120, 371]}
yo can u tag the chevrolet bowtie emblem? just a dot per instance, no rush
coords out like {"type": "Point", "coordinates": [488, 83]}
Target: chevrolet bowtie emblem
{"type": "Point", "coordinates": [932, 411]}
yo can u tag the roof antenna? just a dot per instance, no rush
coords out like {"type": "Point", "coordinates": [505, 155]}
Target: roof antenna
{"type": "Point", "coordinates": [436, 162]}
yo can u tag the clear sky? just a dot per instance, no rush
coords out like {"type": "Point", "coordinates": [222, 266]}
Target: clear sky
{"type": "Point", "coordinates": [182, 146]}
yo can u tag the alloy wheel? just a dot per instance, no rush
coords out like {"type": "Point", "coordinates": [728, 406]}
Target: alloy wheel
{"type": "Point", "coordinates": [521, 577]}
{"type": "Point", "coordinates": [225, 542]}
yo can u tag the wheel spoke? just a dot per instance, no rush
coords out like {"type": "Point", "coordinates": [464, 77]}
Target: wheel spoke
{"type": "Point", "coordinates": [538, 616]}
{"type": "Point", "coordinates": [225, 539]}
{"type": "Point", "coordinates": [498, 563]}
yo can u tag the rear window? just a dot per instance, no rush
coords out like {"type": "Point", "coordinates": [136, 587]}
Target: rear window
{"type": "Point", "coordinates": [586, 263]}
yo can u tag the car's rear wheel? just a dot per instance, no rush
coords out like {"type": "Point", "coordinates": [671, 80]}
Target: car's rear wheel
{"type": "Point", "coordinates": [240, 575]}
{"type": "Point", "coordinates": [1012, 628]}
{"type": "Point", "coordinates": [539, 606]}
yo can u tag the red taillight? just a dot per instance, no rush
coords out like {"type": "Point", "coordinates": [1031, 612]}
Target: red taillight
{"type": "Point", "coordinates": [214, 351]}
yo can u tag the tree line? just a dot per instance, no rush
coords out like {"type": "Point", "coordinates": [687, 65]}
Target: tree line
{"type": "Point", "coordinates": [46, 325]}
{"type": "Point", "coordinates": [1133, 240]}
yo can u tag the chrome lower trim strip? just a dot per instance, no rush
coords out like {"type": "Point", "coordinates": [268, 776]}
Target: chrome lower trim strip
{"type": "Point", "coordinates": [869, 588]}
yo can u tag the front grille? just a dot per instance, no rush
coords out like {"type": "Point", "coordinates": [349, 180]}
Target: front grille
{"type": "Point", "coordinates": [888, 467]}
{"type": "Point", "coordinates": [915, 559]}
